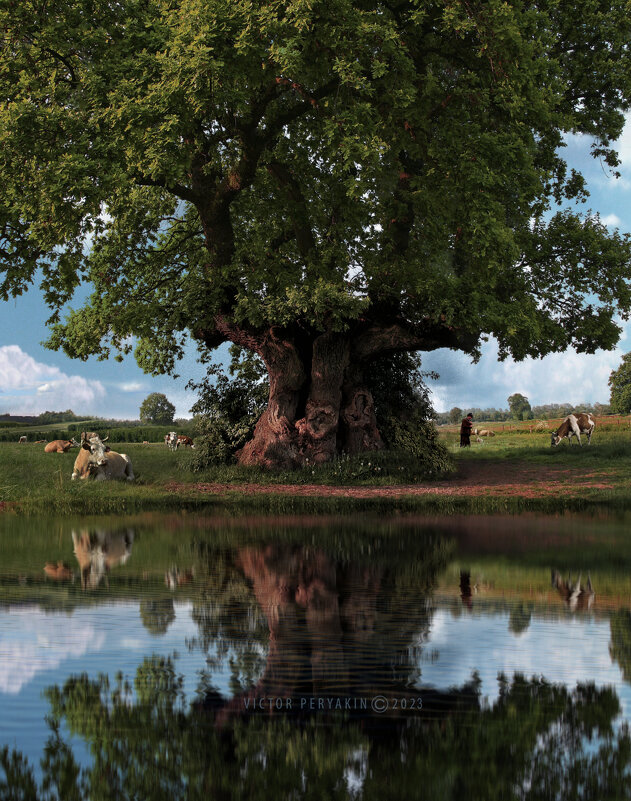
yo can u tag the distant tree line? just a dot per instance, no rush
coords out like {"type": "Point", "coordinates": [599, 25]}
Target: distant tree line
{"type": "Point", "coordinates": [43, 419]}
{"type": "Point", "coordinates": [546, 411]}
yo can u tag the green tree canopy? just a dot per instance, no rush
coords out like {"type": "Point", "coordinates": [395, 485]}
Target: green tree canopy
{"type": "Point", "coordinates": [157, 409]}
{"type": "Point", "coordinates": [519, 406]}
{"type": "Point", "coordinates": [321, 183]}
{"type": "Point", "coordinates": [620, 383]}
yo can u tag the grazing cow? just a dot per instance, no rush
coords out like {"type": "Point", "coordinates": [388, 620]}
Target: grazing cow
{"type": "Point", "coordinates": [182, 440]}
{"type": "Point", "coordinates": [574, 425]}
{"type": "Point", "coordinates": [61, 445]}
{"type": "Point", "coordinates": [171, 440]}
{"type": "Point", "coordinates": [577, 598]}
{"type": "Point", "coordinates": [95, 459]}
{"type": "Point", "coordinates": [483, 432]}
{"type": "Point", "coordinates": [99, 551]}
{"type": "Point", "coordinates": [22, 440]}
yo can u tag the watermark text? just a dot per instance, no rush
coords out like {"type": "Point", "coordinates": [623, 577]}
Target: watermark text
{"type": "Point", "coordinates": [329, 703]}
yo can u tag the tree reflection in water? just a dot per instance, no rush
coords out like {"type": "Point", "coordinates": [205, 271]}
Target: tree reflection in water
{"type": "Point", "coordinates": [532, 743]}
{"type": "Point", "coordinates": [302, 622]}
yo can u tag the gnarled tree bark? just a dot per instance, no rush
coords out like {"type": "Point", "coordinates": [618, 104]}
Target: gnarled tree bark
{"type": "Point", "coordinates": [319, 403]}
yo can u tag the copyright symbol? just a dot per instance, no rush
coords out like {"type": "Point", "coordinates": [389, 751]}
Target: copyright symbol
{"type": "Point", "coordinates": [379, 703]}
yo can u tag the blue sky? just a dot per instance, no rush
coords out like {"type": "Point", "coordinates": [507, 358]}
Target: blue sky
{"type": "Point", "coordinates": [34, 379]}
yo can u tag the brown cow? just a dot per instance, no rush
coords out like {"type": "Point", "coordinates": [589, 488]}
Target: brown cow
{"type": "Point", "coordinates": [58, 572]}
{"type": "Point", "coordinates": [574, 425]}
{"type": "Point", "coordinates": [97, 460]}
{"type": "Point", "coordinates": [61, 445]}
{"type": "Point", "coordinates": [183, 440]}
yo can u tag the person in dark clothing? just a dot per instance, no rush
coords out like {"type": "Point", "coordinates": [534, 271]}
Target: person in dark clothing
{"type": "Point", "coordinates": [465, 431]}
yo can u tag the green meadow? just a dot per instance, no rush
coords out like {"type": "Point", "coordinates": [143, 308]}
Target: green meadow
{"type": "Point", "coordinates": [32, 481]}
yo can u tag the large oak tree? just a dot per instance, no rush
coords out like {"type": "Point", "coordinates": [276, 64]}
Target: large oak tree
{"type": "Point", "coordinates": [323, 183]}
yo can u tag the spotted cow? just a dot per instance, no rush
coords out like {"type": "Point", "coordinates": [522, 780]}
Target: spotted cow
{"type": "Point", "coordinates": [573, 426]}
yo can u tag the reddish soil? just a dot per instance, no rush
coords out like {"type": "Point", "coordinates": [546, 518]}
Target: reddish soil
{"type": "Point", "coordinates": [506, 479]}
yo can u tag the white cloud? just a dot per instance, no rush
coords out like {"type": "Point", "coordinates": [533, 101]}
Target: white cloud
{"type": "Point", "coordinates": [132, 386]}
{"type": "Point", "coordinates": [611, 221]}
{"type": "Point", "coordinates": [31, 387]}
{"type": "Point", "coordinates": [623, 145]}
{"type": "Point", "coordinates": [182, 400]}
{"type": "Point", "coordinates": [567, 377]}
{"type": "Point", "coordinates": [34, 642]}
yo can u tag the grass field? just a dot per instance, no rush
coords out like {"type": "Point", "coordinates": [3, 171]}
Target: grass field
{"type": "Point", "coordinates": [517, 458]}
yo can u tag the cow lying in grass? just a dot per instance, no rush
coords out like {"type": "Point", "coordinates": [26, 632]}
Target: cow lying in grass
{"type": "Point", "coordinates": [61, 446]}
{"type": "Point", "coordinates": [96, 460]}
{"type": "Point", "coordinates": [574, 426]}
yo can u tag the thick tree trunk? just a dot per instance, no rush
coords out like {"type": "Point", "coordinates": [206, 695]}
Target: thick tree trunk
{"type": "Point", "coordinates": [317, 407]}
{"type": "Point", "coordinates": [319, 404]}
{"type": "Point", "coordinates": [274, 443]}
{"type": "Point", "coordinates": [318, 429]}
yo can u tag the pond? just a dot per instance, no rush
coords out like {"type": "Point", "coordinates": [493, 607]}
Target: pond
{"type": "Point", "coordinates": [180, 656]}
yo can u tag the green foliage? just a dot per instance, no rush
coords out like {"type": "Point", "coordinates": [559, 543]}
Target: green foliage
{"type": "Point", "coordinates": [620, 383]}
{"type": "Point", "coordinates": [419, 437]}
{"type": "Point", "coordinates": [404, 412]}
{"type": "Point", "coordinates": [57, 417]}
{"type": "Point", "coordinates": [398, 389]}
{"type": "Point", "coordinates": [455, 415]}
{"type": "Point", "coordinates": [238, 166]}
{"type": "Point", "coordinates": [519, 407]}
{"type": "Point", "coordinates": [620, 645]}
{"type": "Point", "coordinates": [227, 409]}
{"type": "Point", "coordinates": [157, 409]}
{"type": "Point", "coordinates": [143, 433]}
{"type": "Point", "coordinates": [33, 434]}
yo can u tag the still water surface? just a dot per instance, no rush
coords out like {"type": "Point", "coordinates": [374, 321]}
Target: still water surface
{"type": "Point", "coordinates": [172, 656]}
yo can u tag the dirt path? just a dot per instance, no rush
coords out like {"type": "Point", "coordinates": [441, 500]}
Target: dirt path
{"type": "Point", "coordinates": [501, 479]}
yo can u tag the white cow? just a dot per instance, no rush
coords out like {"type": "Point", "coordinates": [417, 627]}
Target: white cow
{"type": "Point", "coordinates": [171, 439]}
